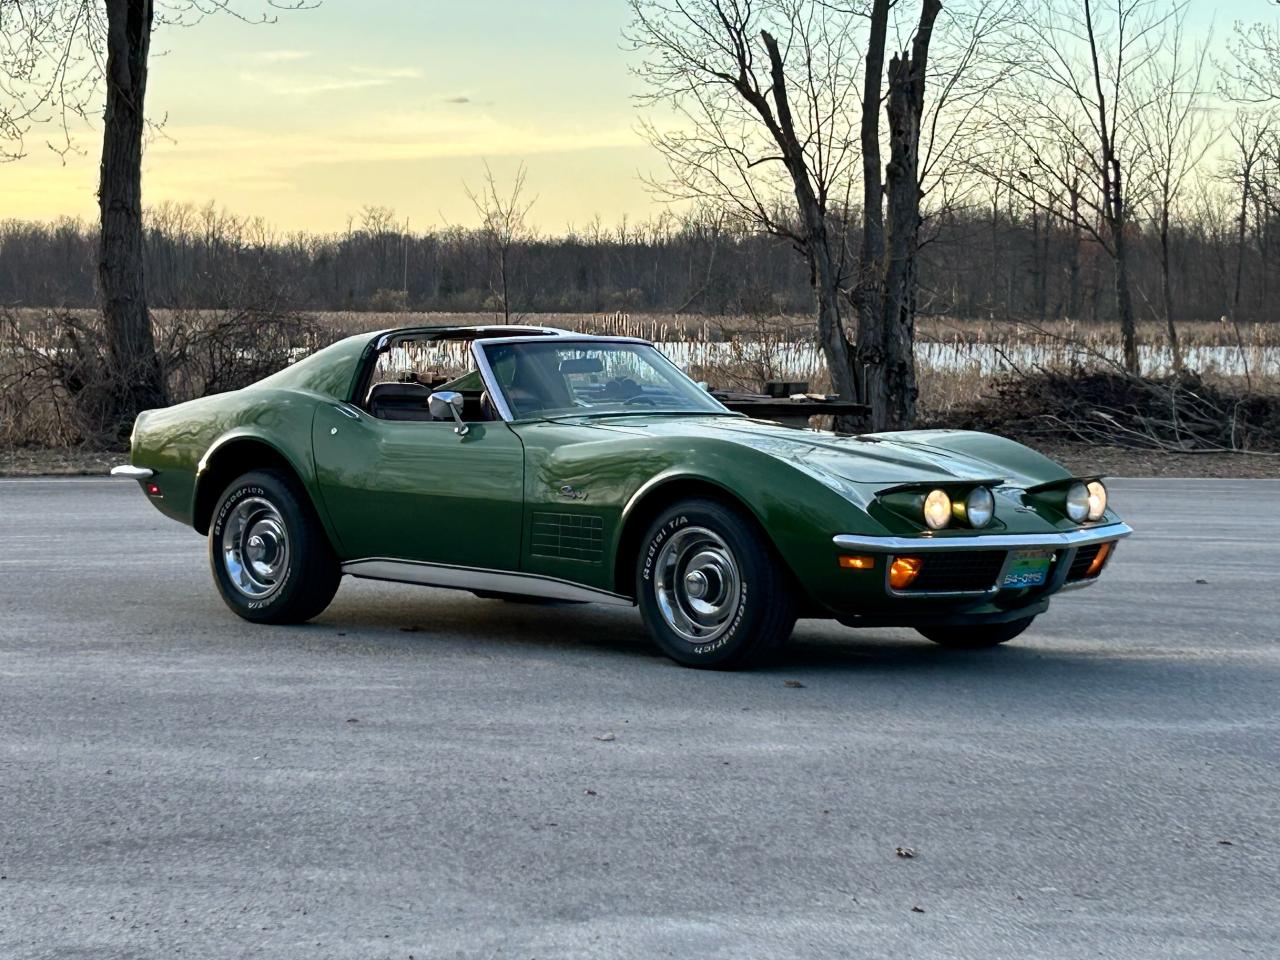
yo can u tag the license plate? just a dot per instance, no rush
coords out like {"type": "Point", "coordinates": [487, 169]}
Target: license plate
{"type": "Point", "coordinates": [1027, 568]}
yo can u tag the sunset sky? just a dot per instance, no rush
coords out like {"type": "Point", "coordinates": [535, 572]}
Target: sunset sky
{"type": "Point", "coordinates": [393, 103]}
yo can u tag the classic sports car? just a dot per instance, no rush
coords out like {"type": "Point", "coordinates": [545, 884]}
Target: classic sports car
{"type": "Point", "coordinates": [524, 462]}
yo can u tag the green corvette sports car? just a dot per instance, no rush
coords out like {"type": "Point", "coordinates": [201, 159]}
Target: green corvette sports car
{"type": "Point", "coordinates": [530, 463]}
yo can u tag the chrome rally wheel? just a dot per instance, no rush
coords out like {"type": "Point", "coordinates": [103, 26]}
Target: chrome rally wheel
{"type": "Point", "coordinates": [697, 584]}
{"type": "Point", "coordinates": [271, 559]}
{"type": "Point", "coordinates": [711, 589]}
{"type": "Point", "coordinates": [255, 548]}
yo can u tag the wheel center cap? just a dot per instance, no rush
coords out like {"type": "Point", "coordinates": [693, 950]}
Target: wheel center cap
{"type": "Point", "coordinates": [695, 584]}
{"type": "Point", "coordinates": [261, 548]}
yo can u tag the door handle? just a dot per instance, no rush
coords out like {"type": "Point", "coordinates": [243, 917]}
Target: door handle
{"type": "Point", "coordinates": [347, 412]}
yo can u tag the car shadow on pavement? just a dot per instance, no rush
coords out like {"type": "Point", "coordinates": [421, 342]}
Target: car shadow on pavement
{"type": "Point", "coordinates": [819, 650]}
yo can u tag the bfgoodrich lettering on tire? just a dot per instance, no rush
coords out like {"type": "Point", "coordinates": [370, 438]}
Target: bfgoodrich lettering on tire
{"type": "Point", "coordinates": [711, 590]}
{"type": "Point", "coordinates": [270, 557]}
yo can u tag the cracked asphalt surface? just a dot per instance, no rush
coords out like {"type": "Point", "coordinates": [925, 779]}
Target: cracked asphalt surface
{"type": "Point", "coordinates": [420, 773]}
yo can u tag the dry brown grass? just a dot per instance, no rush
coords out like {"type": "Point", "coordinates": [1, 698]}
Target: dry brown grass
{"type": "Point", "coordinates": [958, 361]}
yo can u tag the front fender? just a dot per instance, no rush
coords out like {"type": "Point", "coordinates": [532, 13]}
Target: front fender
{"type": "Point", "coordinates": [615, 475]}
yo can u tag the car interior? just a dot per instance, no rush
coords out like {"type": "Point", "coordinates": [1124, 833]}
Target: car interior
{"type": "Point", "coordinates": [408, 370]}
{"type": "Point", "coordinates": [407, 399]}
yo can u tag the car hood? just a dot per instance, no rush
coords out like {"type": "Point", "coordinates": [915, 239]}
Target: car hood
{"type": "Point", "coordinates": [916, 456]}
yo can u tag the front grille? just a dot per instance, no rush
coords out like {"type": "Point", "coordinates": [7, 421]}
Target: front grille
{"type": "Point", "coordinates": [968, 571]}
{"type": "Point", "coordinates": [1080, 565]}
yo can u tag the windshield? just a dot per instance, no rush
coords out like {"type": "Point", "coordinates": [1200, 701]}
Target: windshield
{"type": "Point", "coordinates": [558, 377]}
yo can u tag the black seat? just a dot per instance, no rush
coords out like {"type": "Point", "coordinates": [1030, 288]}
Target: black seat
{"type": "Point", "coordinates": [537, 384]}
{"type": "Point", "coordinates": [399, 401]}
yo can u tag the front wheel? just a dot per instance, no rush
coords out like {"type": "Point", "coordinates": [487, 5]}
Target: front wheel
{"type": "Point", "coordinates": [976, 636]}
{"type": "Point", "coordinates": [711, 590]}
{"type": "Point", "coordinates": [271, 560]}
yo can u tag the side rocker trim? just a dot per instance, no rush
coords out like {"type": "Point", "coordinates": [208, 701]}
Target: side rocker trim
{"type": "Point", "coordinates": [479, 578]}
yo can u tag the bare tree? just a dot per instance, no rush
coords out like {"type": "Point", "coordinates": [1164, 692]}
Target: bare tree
{"type": "Point", "coordinates": [887, 282]}
{"type": "Point", "coordinates": [1253, 170]}
{"type": "Point", "coordinates": [777, 126]}
{"type": "Point", "coordinates": [1252, 71]}
{"type": "Point", "coordinates": [1074, 112]}
{"type": "Point", "coordinates": [504, 227]}
{"type": "Point", "coordinates": [757, 122]}
{"type": "Point", "coordinates": [59, 61]}
{"type": "Point", "coordinates": [1173, 136]}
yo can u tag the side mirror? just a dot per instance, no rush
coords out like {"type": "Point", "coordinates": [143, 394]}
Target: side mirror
{"type": "Point", "coordinates": [446, 403]}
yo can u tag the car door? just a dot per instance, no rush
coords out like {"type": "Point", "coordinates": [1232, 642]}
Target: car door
{"type": "Point", "coordinates": [413, 490]}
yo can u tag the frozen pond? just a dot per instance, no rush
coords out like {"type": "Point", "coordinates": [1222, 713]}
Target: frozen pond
{"type": "Point", "coordinates": [802, 361]}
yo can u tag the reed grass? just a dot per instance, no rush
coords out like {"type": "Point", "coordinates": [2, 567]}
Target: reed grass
{"type": "Point", "coordinates": [957, 360]}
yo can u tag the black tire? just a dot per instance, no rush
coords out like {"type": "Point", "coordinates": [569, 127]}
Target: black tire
{"type": "Point", "coordinates": [717, 543]}
{"type": "Point", "coordinates": [976, 636]}
{"type": "Point", "coordinates": [305, 574]}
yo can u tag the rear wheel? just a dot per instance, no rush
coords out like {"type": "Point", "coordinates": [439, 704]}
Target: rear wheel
{"type": "Point", "coordinates": [711, 590]}
{"type": "Point", "coordinates": [271, 560]}
{"type": "Point", "coordinates": [976, 636]}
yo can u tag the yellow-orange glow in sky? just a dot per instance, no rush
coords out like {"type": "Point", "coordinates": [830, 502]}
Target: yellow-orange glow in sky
{"type": "Point", "coordinates": [392, 103]}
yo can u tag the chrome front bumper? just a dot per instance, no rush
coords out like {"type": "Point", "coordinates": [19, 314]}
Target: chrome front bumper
{"type": "Point", "coordinates": [1071, 540]}
{"type": "Point", "coordinates": [984, 541]}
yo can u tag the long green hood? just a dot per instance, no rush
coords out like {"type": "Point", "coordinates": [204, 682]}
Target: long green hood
{"type": "Point", "coordinates": [915, 456]}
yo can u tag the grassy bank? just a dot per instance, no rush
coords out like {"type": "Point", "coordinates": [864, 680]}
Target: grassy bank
{"type": "Point", "coordinates": [965, 369]}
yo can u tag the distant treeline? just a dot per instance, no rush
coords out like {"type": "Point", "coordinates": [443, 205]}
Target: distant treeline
{"type": "Point", "coordinates": [1000, 263]}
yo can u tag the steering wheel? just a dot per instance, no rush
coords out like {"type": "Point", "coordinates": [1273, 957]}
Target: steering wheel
{"type": "Point", "coordinates": [640, 398]}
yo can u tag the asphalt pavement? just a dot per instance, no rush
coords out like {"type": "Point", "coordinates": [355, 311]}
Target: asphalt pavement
{"type": "Point", "coordinates": [425, 774]}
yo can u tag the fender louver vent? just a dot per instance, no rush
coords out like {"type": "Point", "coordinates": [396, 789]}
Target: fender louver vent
{"type": "Point", "coordinates": [568, 536]}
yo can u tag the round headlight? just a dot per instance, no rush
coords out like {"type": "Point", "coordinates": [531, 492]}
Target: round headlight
{"type": "Point", "coordinates": [937, 509]}
{"type": "Point", "coordinates": [1077, 502]}
{"type": "Point", "coordinates": [979, 506]}
{"type": "Point", "coordinates": [1097, 499]}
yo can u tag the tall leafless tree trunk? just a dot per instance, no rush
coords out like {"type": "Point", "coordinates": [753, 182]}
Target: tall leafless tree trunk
{"type": "Point", "coordinates": [886, 294]}
{"type": "Point", "coordinates": [121, 280]}
{"type": "Point", "coordinates": [48, 74]}
{"type": "Point", "coordinates": [1075, 112]}
{"type": "Point", "coordinates": [1249, 132]}
{"type": "Point", "coordinates": [748, 134]}
{"type": "Point", "coordinates": [1166, 292]}
{"type": "Point", "coordinates": [504, 226]}
{"type": "Point", "coordinates": [906, 111]}
{"type": "Point", "coordinates": [1073, 260]}
{"type": "Point", "coordinates": [818, 247]}
{"type": "Point", "coordinates": [1115, 207]}
{"type": "Point", "coordinates": [891, 222]}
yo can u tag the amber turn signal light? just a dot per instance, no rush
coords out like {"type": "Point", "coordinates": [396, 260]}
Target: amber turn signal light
{"type": "Point", "coordinates": [857, 563]}
{"type": "Point", "coordinates": [903, 571]}
{"type": "Point", "coordinates": [1099, 559]}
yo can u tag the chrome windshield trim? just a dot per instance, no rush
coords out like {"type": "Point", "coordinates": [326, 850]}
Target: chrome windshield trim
{"type": "Point", "coordinates": [984, 541]}
{"type": "Point", "coordinates": [499, 400]}
{"type": "Point", "coordinates": [479, 578]}
{"type": "Point", "coordinates": [564, 335]}
{"type": "Point", "coordinates": [129, 472]}
{"type": "Point", "coordinates": [496, 396]}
